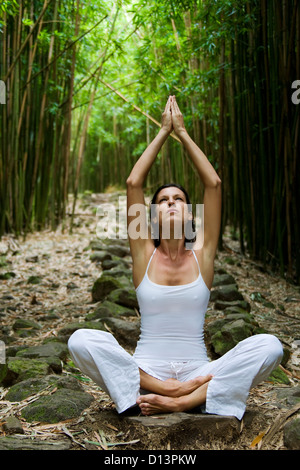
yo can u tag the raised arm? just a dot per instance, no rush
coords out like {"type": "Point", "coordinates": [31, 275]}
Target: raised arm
{"type": "Point", "coordinates": [136, 208]}
{"type": "Point", "coordinates": [210, 180]}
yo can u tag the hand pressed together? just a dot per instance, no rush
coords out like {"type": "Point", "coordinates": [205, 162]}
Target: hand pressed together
{"type": "Point", "coordinates": [172, 118]}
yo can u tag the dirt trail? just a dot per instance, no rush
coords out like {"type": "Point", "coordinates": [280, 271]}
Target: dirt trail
{"type": "Point", "coordinates": [63, 264]}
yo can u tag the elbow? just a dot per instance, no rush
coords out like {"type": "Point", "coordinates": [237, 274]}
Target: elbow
{"type": "Point", "coordinates": [130, 182]}
{"type": "Point", "coordinates": [133, 183]}
{"type": "Point", "coordinates": [216, 183]}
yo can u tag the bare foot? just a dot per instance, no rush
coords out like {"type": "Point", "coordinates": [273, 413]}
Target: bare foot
{"type": "Point", "coordinates": [152, 404]}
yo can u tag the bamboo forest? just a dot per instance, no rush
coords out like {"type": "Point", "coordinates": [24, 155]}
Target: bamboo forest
{"type": "Point", "coordinates": [84, 85]}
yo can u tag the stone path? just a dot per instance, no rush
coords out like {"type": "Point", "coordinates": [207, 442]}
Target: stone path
{"type": "Point", "coordinates": [48, 290]}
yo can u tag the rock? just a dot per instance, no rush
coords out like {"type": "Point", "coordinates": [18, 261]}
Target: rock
{"type": "Point", "coordinates": [278, 376]}
{"type": "Point", "coordinates": [22, 390]}
{"type": "Point", "coordinates": [103, 286]}
{"type": "Point", "coordinates": [215, 326]}
{"type": "Point", "coordinates": [127, 333]}
{"type": "Point", "coordinates": [236, 309]}
{"type": "Point", "coordinates": [113, 249]}
{"type": "Point", "coordinates": [63, 404]}
{"type": "Point", "coordinates": [223, 304]}
{"type": "Point", "coordinates": [201, 426]}
{"type": "Point", "coordinates": [108, 309]}
{"type": "Point", "coordinates": [17, 369]}
{"type": "Point", "coordinates": [53, 353]}
{"type": "Point", "coordinates": [66, 331]}
{"type": "Point", "coordinates": [12, 426]}
{"type": "Point", "coordinates": [100, 256]}
{"type": "Point", "coordinates": [228, 293]}
{"type": "Point", "coordinates": [22, 323]}
{"type": "Point", "coordinates": [118, 250]}
{"type": "Point", "coordinates": [289, 396]}
{"type": "Point", "coordinates": [6, 276]}
{"type": "Point", "coordinates": [50, 349]}
{"type": "Point", "coordinates": [27, 443]}
{"type": "Point", "coordinates": [96, 245]}
{"type": "Point", "coordinates": [291, 434]}
{"type": "Point", "coordinates": [245, 316]}
{"type": "Point", "coordinates": [222, 279]}
{"type": "Point", "coordinates": [225, 335]}
{"type": "Point", "coordinates": [118, 265]}
{"type": "Point", "coordinates": [34, 280]}
{"type": "Point", "coordinates": [125, 297]}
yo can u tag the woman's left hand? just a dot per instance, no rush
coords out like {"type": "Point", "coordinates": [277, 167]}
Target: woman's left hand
{"type": "Point", "coordinates": [177, 118]}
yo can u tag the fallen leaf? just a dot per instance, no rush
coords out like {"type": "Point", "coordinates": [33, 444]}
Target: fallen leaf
{"type": "Point", "coordinates": [257, 439]}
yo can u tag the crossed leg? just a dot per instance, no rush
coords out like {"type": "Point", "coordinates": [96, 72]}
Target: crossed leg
{"type": "Point", "coordinates": [171, 395]}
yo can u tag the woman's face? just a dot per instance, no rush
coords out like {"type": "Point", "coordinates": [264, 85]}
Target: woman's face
{"type": "Point", "coordinates": [172, 210]}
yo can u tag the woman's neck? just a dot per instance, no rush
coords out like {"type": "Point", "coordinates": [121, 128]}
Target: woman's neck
{"type": "Point", "coordinates": [172, 248]}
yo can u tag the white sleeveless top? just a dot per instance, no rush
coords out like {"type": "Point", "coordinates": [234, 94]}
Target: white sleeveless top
{"type": "Point", "coordinates": [172, 320]}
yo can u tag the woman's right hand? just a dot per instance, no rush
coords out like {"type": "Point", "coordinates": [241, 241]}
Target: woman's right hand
{"type": "Point", "coordinates": [166, 123]}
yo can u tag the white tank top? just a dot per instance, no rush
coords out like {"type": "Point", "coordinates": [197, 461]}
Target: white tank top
{"type": "Point", "coordinates": [172, 320]}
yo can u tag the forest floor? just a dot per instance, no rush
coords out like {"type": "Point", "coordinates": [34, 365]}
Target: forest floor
{"type": "Point", "coordinates": [63, 262]}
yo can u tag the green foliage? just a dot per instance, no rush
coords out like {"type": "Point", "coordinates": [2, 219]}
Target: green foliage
{"type": "Point", "coordinates": [114, 64]}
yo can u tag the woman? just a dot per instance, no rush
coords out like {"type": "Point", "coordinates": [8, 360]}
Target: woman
{"type": "Point", "coordinates": [169, 370]}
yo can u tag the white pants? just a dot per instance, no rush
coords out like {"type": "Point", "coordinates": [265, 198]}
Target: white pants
{"type": "Point", "coordinates": [100, 357]}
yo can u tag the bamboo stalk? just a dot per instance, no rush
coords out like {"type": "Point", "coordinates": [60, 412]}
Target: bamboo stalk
{"type": "Point", "coordinates": [45, 6]}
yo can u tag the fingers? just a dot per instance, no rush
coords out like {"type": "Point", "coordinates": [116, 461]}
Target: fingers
{"type": "Point", "coordinates": [172, 105]}
{"type": "Point", "coordinates": [168, 105]}
{"type": "Point", "coordinates": [175, 106]}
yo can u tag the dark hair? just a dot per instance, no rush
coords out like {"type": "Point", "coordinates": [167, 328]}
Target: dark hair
{"type": "Point", "coordinates": [190, 225]}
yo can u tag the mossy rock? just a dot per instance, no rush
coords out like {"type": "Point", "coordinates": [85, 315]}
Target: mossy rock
{"type": "Point", "coordinates": [125, 297]}
{"type": "Point", "coordinates": [7, 276]}
{"type": "Point", "coordinates": [222, 279]}
{"type": "Point", "coordinates": [22, 390]}
{"type": "Point", "coordinates": [70, 328]}
{"type": "Point", "coordinates": [51, 349]}
{"type": "Point", "coordinates": [109, 309]}
{"type": "Point", "coordinates": [229, 335]}
{"type": "Point", "coordinates": [291, 434]}
{"type": "Point", "coordinates": [34, 280]}
{"type": "Point", "coordinates": [224, 304]}
{"type": "Point", "coordinates": [103, 286]}
{"type": "Point", "coordinates": [18, 369]}
{"type": "Point", "coordinates": [22, 323]}
{"type": "Point", "coordinates": [62, 405]}
{"type": "Point", "coordinates": [100, 256]}
{"type": "Point", "coordinates": [227, 293]}
{"type": "Point", "coordinates": [278, 376]}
